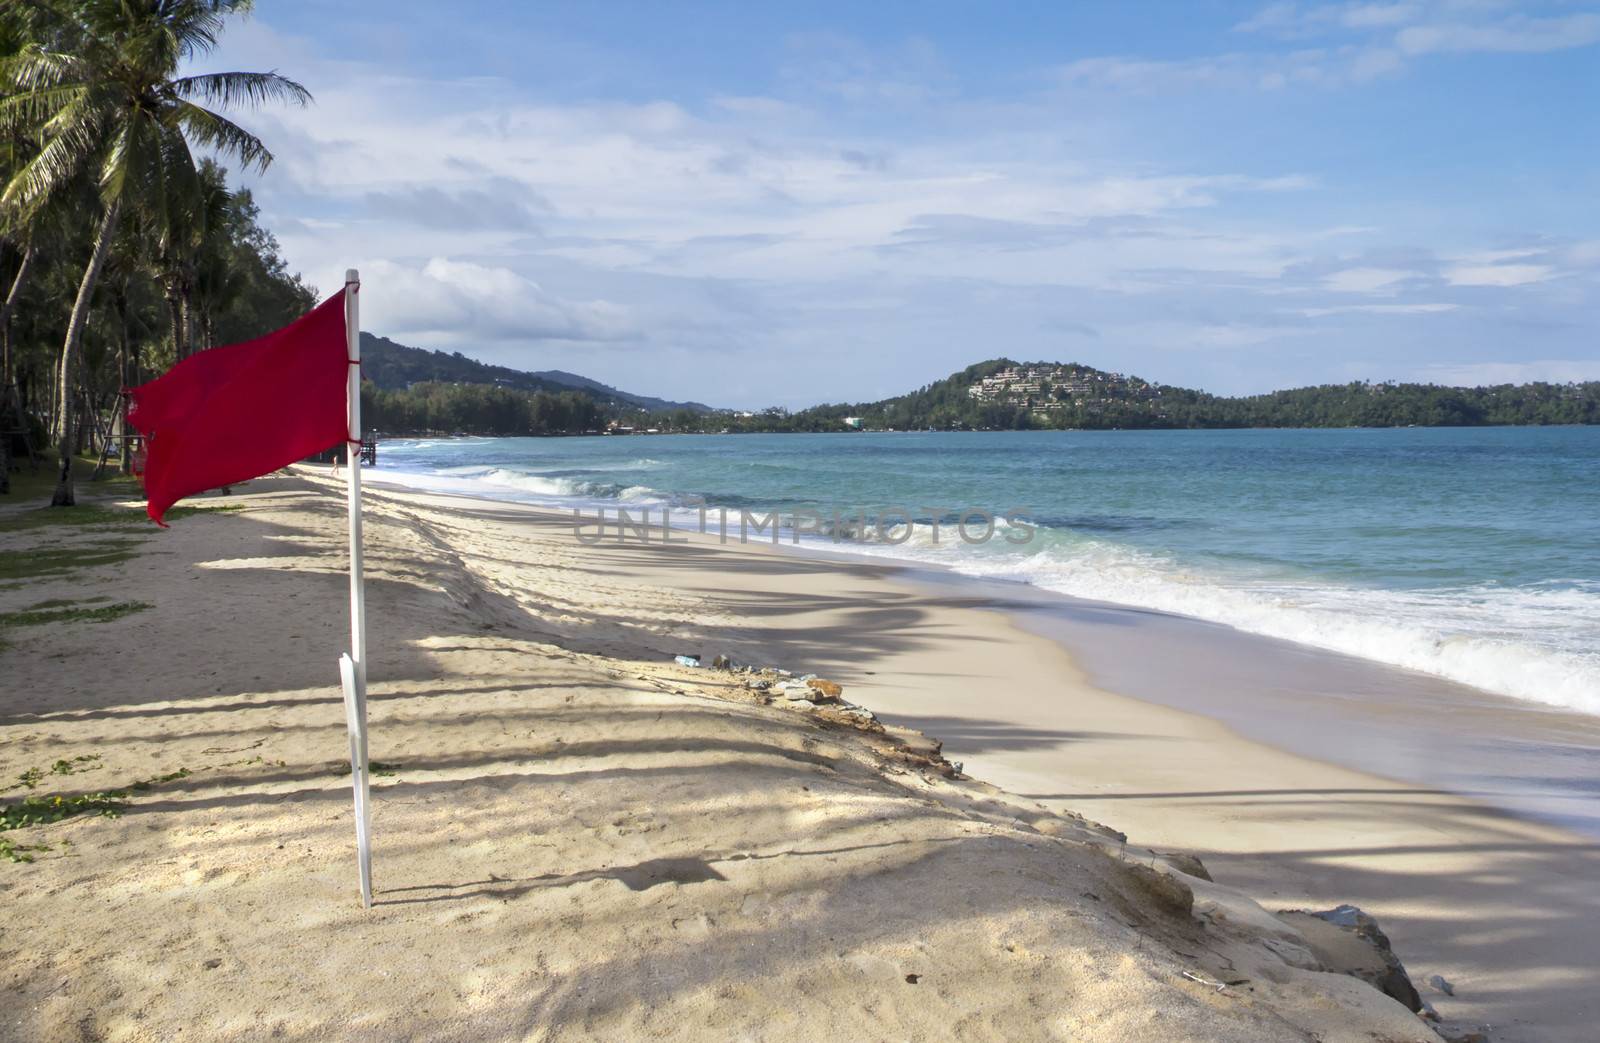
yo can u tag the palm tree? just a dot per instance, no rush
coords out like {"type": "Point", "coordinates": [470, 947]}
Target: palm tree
{"type": "Point", "coordinates": [215, 281]}
{"type": "Point", "coordinates": [99, 79]}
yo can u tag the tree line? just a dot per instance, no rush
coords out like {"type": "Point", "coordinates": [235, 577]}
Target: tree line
{"type": "Point", "coordinates": [112, 198]}
{"type": "Point", "coordinates": [1134, 404]}
{"type": "Point", "coordinates": [479, 409]}
{"type": "Point", "coordinates": [486, 409]}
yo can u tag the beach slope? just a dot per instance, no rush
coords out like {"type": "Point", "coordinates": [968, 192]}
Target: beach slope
{"type": "Point", "coordinates": [574, 838]}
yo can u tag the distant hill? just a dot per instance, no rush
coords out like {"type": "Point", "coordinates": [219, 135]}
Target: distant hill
{"type": "Point", "coordinates": [604, 391]}
{"type": "Point", "coordinates": [1001, 394]}
{"type": "Point", "coordinates": [395, 367]}
{"type": "Point", "coordinates": [455, 393]}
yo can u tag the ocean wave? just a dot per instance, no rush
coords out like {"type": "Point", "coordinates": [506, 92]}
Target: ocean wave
{"type": "Point", "coordinates": [1529, 642]}
{"type": "Point", "coordinates": [1525, 642]}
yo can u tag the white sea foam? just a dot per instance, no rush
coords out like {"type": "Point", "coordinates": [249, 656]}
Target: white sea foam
{"type": "Point", "coordinates": [1529, 643]}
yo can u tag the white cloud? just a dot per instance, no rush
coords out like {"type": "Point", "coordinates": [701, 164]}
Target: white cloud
{"type": "Point", "coordinates": [1365, 41]}
{"type": "Point", "coordinates": [1422, 308]}
{"type": "Point", "coordinates": [480, 301]}
{"type": "Point", "coordinates": [1367, 280]}
{"type": "Point", "coordinates": [742, 227]}
{"type": "Point", "coordinates": [1512, 35]}
{"type": "Point", "coordinates": [1498, 274]}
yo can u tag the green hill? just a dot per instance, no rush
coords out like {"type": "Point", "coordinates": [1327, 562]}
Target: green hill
{"type": "Point", "coordinates": [395, 367]}
{"type": "Point", "coordinates": [1004, 395]}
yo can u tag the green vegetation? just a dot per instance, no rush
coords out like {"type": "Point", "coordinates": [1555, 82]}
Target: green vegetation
{"type": "Point", "coordinates": [50, 561]}
{"type": "Point", "coordinates": [171, 776]}
{"type": "Point", "coordinates": [43, 810]}
{"type": "Point", "coordinates": [1080, 397]}
{"type": "Point", "coordinates": [480, 409]}
{"type": "Point", "coordinates": [86, 762]}
{"type": "Point", "coordinates": [121, 251]}
{"type": "Point", "coordinates": [14, 852]}
{"type": "Point", "coordinates": [98, 614]}
{"type": "Point", "coordinates": [396, 367]}
{"type": "Point", "coordinates": [113, 517]}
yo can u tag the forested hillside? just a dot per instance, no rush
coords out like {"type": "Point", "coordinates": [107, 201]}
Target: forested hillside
{"type": "Point", "coordinates": [1004, 395]}
{"type": "Point", "coordinates": [393, 367]}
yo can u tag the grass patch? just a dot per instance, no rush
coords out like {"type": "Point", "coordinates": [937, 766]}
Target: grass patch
{"type": "Point", "coordinates": [103, 514]}
{"type": "Point", "coordinates": [29, 484]}
{"type": "Point", "coordinates": [84, 514]}
{"type": "Point", "coordinates": [97, 614]}
{"type": "Point", "coordinates": [189, 512]}
{"type": "Point", "coordinates": [64, 602]}
{"type": "Point", "coordinates": [50, 561]}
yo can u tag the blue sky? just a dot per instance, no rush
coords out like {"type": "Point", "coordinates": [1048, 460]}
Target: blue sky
{"type": "Point", "coordinates": [755, 204]}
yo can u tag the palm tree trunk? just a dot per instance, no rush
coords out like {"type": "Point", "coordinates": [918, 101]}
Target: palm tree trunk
{"type": "Point", "coordinates": [127, 378]}
{"type": "Point", "coordinates": [15, 292]}
{"type": "Point", "coordinates": [187, 301]}
{"type": "Point", "coordinates": [64, 494]}
{"type": "Point", "coordinates": [5, 408]}
{"type": "Point", "coordinates": [6, 396]}
{"type": "Point", "coordinates": [175, 323]}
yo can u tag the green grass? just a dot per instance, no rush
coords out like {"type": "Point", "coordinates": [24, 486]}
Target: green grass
{"type": "Point", "coordinates": [98, 614]}
{"type": "Point", "coordinates": [64, 602]}
{"type": "Point", "coordinates": [51, 561]}
{"type": "Point", "coordinates": [92, 507]}
{"type": "Point", "coordinates": [82, 514]}
{"type": "Point", "coordinates": [38, 486]}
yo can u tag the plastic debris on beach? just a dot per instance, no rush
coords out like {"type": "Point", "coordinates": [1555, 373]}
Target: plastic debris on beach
{"type": "Point", "coordinates": [686, 660]}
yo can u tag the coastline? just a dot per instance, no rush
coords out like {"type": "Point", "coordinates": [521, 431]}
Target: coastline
{"type": "Point", "coordinates": [625, 845]}
{"type": "Point", "coordinates": [1465, 890]}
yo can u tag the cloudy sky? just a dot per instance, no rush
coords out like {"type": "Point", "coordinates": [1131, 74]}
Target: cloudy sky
{"type": "Point", "coordinates": [756, 204]}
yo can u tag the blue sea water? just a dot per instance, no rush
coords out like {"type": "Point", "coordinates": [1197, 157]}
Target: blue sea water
{"type": "Point", "coordinates": [1469, 553]}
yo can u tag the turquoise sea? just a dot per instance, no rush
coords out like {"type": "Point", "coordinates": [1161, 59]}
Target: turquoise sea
{"type": "Point", "coordinates": [1469, 554]}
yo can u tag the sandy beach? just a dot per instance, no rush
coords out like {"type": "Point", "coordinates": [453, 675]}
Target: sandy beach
{"type": "Point", "coordinates": [578, 839]}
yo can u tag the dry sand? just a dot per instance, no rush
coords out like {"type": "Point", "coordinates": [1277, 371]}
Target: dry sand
{"type": "Point", "coordinates": [576, 839]}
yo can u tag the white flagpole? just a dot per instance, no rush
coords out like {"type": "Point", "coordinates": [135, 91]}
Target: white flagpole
{"type": "Point", "coordinates": [353, 667]}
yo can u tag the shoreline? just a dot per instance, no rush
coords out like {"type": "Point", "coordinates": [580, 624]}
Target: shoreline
{"type": "Point", "coordinates": [583, 834]}
{"type": "Point", "coordinates": [1290, 829]}
{"type": "Point", "coordinates": [1511, 638]}
{"type": "Point", "coordinates": [1534, 759]}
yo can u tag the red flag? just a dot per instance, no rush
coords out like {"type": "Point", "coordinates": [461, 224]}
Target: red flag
{"type": "Point", "coordinates": [245, 410]}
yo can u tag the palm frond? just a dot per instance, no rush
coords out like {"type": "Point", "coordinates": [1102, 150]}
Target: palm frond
{"type": "Point", "coordinates": [252, 89]}
{"type": "Point", "coordinates": [33, 67]}
{"type": "Point", "coordinates": [186, 196]}
{"type": "Point", "coordinates": [220, 134]}
{"type": "Point", "coordinates": [24, 111]}
{"type": "Point", "coordinates": [71, 139]}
